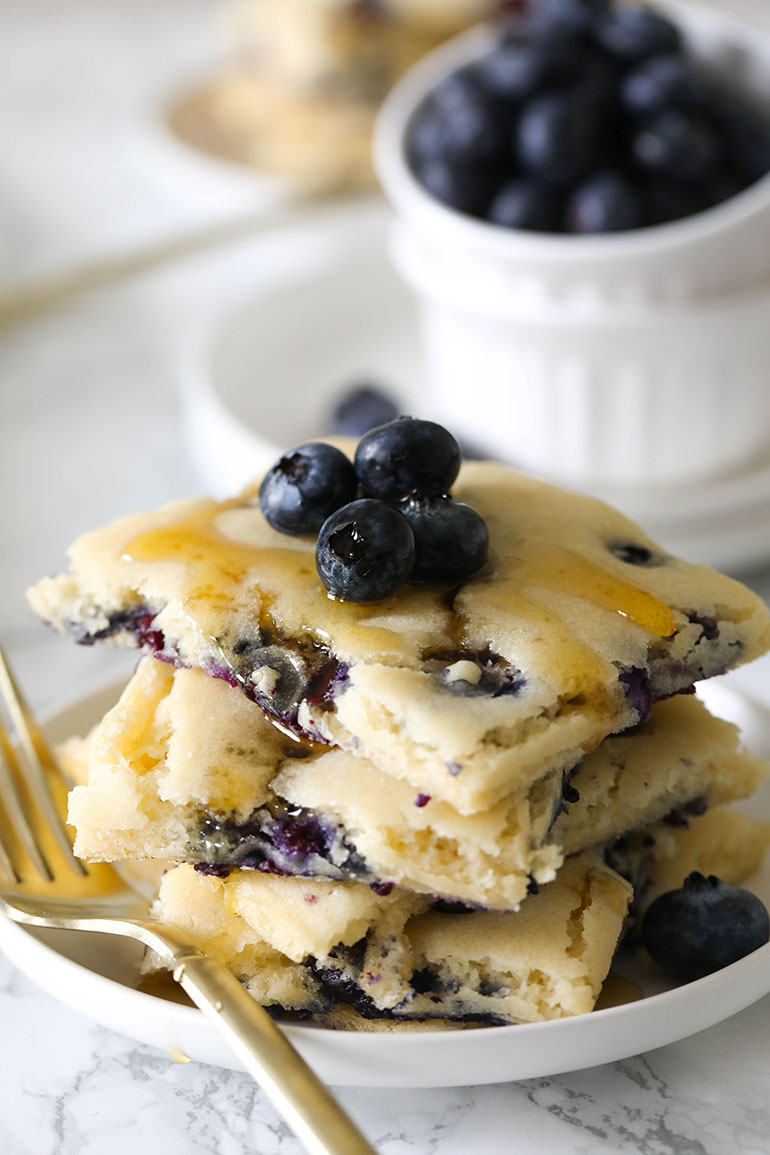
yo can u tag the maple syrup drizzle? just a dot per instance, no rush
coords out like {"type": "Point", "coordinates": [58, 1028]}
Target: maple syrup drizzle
{"type": "Point", "coordinates": [218, 565]}
{"type": "Point", "coordinates": [580, 669]}
{"type": "Point", "coordinates": [561, 570]}
{"type": "Point", "coordinates": [224, 571]}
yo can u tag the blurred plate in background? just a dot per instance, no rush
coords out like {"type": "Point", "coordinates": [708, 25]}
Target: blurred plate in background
{"type": "Point", "coordinates": [187, 153]}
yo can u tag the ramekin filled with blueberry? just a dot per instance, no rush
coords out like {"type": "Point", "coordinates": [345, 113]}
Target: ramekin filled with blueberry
{"type": "Point", "coordinates": [584, 211]}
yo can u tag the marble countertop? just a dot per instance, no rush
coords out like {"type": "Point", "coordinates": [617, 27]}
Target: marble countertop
{"type": "Point", "coordinates": [90, 428]}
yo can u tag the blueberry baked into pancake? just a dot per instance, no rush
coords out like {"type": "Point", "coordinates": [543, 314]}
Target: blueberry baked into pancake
{"type": "Point", "coordinates": [393, 957]}
{"type": "Point", "coordinates": [467, 689]}
{"type": "Point", "coordinates": [394, 961]}
{"type": "Point", "coordinates": [185, 768]}
{"type": "Point", "coordinates": [352, 957]}
{"type": "Point", "coordinates": [408, 736]}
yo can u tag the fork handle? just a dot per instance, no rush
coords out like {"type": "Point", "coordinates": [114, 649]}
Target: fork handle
{"type": "Point", "coordinates": [309, 1108]}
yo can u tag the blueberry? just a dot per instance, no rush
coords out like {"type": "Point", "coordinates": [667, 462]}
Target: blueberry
{"type": "Point", "coordinates": [718, 187]}
{"type": "Point", "coordinates": [459, 87]}
{"type": "Point", "coordinates": [636, 554]}
{"type": "Point", "coordinates": [633, 33]}
{"type": "Point", "coordinates": [485, 674]}
{"type": "Point", "coordinates": [407, 457]}
{"type": "Point", "coordinates": [361, 409]}
{"type": "Point", "coordinates": [708, 624]}
{"type": "Point", "coordinates": [607, 203]}
{"type": "Point", "coordinates": [518, 70]}
{"type": "Point", "coordinates": [305, 486]}
{"type": "Point", "coordinates": [472, 130]}
{"type": "Point", "coordinates": [576, 16]}
{"type": "Point", "coordinates": [596, 87]}
{"type": "Point", "coordinates": [661, 83]}
{"type": "Point", "coordinates": [677, 144]}
{"type": "Point", "coordinates": [365, 551]}
{"type": "Point", "coordinates": [522, 204]}
{"type": "Point", "coordinates": [427, 136]}
{"type": "Point", "coordinates": [746, 133]}
{"type": "Point", "coordinates": [635, 683]}
{"type": "Point", "coordinates": [456, 185]}
{"type": "Point", "coordinates": [450, 539]}
{"type": "Point", "coordinates": [667, 200]}
{"type": "Point", "coordinates": [558, 139]}
{"type": "Point", "coordinates": [704, 926]}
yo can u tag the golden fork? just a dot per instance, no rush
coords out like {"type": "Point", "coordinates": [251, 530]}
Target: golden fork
{"type": "Point", "coordinates": [42, 883]}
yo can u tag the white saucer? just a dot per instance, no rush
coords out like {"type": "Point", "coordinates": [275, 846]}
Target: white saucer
{"type": "Point", "coordinates": [96, 976]}
{"type": "Point", "coordinates": [267, 372]}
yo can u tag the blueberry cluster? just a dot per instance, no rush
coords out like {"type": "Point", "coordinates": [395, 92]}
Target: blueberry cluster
{"type": "Point", "coordinates": [704, 926]}
{"type": "Point", "coordinates": [385, 520]}
{"type": "Point", "coordinates": [587, 117]}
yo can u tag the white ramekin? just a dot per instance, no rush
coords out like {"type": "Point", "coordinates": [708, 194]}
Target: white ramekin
{"type": "Point", "coordinates": [631, 358]}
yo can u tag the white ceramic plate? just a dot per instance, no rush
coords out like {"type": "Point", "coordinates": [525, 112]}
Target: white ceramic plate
{"type": "Point", "coordinates": [265, 374]}
{"type": "Point", "coordinates": [96, 976]}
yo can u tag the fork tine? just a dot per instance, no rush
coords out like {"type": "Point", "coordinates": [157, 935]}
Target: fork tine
{"type": "Point", "coordinates": [6, 865]}
{"type": "Point", "coordinates": [16, 813]}
{"type": "Point", "coordinates": [40, 761]}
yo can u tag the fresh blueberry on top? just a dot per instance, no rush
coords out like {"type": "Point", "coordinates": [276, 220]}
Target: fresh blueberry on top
{"type": "Point", "coordinates": [523, 204]}
{"type": "Point", "coordinates": [633, 33]}
{"type": "Point", "coordinates": [450, 539]}
{"type": "Point", "coordinates": [677, 144]}
{"type": "Point", "coordinates": [361, 409]}
{"type": "Point", "coordinates": [607, 203]}
{"type": "Point", "coordinates": [305, 486]}
{"type": "Point", "coordinates": [558, 139]}
{"type": "Point", "coordinates": [704, 926]}
{"type": "Point", "coordinates": [365, 551]}
{"type": "Point", "coordinates": [407, 456]}
{"type": "Point", "coordinates": [663, 82]}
